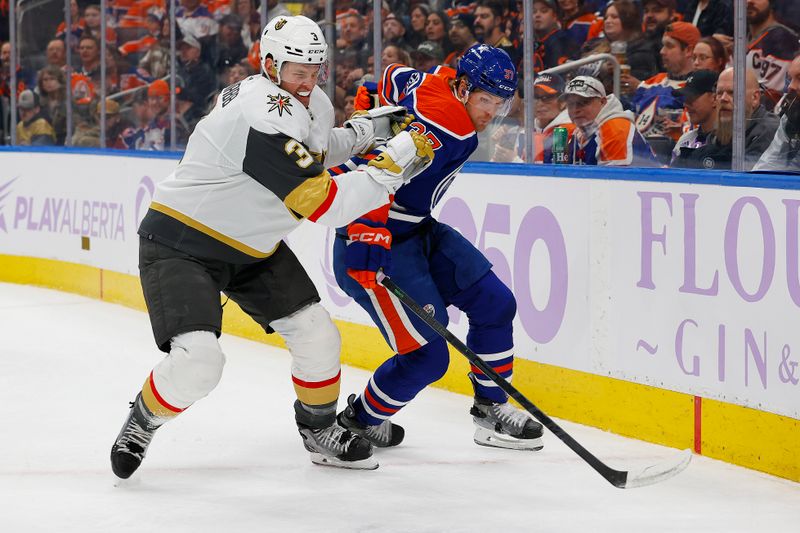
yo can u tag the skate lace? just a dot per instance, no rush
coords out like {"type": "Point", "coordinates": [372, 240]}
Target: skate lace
{"type": "Point", "coordinates": [381, 433]}
{"type": "Point", "coordinates": [138, 436]}
{"type": "Point", "coordinates": [508, 415]}
{"type": "Point", "coordinates": [334, 438]}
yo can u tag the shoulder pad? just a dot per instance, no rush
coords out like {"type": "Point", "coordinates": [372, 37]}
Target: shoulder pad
{"type": "Point", "coordinates": [269, 109]}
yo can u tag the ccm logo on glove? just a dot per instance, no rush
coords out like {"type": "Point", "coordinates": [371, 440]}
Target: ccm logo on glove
{"type": "Point", "coordinates": [377, 236]}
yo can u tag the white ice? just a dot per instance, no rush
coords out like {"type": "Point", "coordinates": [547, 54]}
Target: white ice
{"type": "Point", "coordinates": [234, 461]}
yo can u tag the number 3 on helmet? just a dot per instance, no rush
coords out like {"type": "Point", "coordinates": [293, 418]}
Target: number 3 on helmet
{"type": "Point", "coordinates": [295, 40]}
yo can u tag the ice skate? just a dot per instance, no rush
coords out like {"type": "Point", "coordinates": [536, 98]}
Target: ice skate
{"type": "Point", "coordinates": [129, 450]}
{"type": "Point", "coordinates": [384, 435]}
{"type": "Point", "coordinates": [501, 425]}
{"type": "Point", "coordinates": [333, 445]}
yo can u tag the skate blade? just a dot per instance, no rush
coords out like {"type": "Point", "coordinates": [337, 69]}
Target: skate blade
{"type": "Point", "coordinates": [492, 439]}
{"type": "Point", "coordinates": [369, 463]}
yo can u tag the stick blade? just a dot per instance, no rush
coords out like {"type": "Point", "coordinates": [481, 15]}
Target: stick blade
{"type": "Point", "coordinates": [657, 473]}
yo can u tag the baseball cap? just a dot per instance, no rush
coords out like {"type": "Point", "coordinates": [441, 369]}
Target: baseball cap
{"type": "Point", "coordinates": [551, 84]}
{"type": "Point", "coordinates": [698, 83]}
{"type": "Point", "coordinates": [28, 99]}
{"type": "Point", "coordinates": [158, 88]}
{"type": "Point", "coordinates": [429, 49]}
{"type": "Point", "coordinates": [466, 19]}
{"type": "Point", "coordinates": [191, 41]}
{"type": "Point", "coordinates": [684, 32]}
{"type": "Point", "coordinates": [586, 87]}
{"type": "Point", "coordinates": [670, 4]}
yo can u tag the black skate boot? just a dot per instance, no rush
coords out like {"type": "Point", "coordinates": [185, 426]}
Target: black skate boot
{"type": "Point", "coordinates": [330, 444]}
{"type": "Point", "coordinates": [501, 425]}
{"type": "Point", "coordinates": [384, 435]}
{"type": "Point", "coordinates": [130, 448]}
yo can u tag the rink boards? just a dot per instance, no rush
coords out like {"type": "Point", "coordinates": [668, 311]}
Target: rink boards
{"type": "Point", "coordinates": [657, 305]}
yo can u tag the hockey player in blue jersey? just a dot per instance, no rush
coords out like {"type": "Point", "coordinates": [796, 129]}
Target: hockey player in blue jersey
{"type": "Point", "coordinates": [431, 261]}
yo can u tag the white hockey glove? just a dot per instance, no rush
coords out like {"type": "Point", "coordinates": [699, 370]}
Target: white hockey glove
{"type": "Point", "coordinates": [376, 126]}
{"type": "Point", "coordinates": [404, 156]}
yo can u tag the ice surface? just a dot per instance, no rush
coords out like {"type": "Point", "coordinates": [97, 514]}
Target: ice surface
{"type": "Point", "coordinates": [234, 461]}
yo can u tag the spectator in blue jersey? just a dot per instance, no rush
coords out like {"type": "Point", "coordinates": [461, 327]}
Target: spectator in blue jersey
{"type": "Point", "coordinates": [605, 133]}
{"type": "Point", "coordinates": [576, 19]}
{"type": "Point", "coordinates": [553, 45]}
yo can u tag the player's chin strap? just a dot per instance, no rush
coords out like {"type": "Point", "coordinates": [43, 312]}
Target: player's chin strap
{"type": "Point", "coordinates": [623, 479]}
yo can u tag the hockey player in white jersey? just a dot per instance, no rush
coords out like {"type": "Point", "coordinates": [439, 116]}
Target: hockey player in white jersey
{"type": "Point", "coordinates": [253, 170]}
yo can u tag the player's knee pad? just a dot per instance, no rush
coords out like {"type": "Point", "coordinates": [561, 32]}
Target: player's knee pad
{"type": "Point", "coordinates": [489, 302]}
{"type": "Point", "coordinates": [313, 340]}
{"type": "Point", "coordinates": [427, 363]}
{"type": "Point", "coordinates": [191, 370]}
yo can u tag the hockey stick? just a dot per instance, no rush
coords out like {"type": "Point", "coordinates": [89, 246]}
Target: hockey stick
{"type": "Point", "coordinates": [623, 479]}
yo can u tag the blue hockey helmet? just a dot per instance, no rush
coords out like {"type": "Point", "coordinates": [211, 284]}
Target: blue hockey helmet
{"type": "Point", "coordinates": [489, 69]}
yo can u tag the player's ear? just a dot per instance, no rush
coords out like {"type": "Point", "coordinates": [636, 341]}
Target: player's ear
{"type": "Point", "coordinates": [461, 89]}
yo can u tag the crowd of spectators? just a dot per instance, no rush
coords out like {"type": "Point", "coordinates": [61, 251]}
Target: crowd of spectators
{"type": "Point", "coordinates": [674, 106]}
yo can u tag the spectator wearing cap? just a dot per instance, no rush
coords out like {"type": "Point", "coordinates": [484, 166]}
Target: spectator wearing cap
{"type": "Point", "coordinates": [549, 113]}
{"type": "Point", "coordinates": [427, 56]}
{"type": "Point", "coordinates": [394, 32]}
{"type": "Point", "coordinates": [772, 46]}
{"type": "Point", "coordinates": [701, 105]}
{"type": "Point", "coordinates": [656, 16]}
{"type": "Point", "coordinates": [605, 133]}
{"type": "Point", "coordinates": [712, 18]}
{"type": "Point", "coordinates": [760, 124]}
{"type": "Point", "coordinates": [462, 36]}
{"type": "Point", "coordinates": [418, 17]}
{"type": "Point", "coordinates": [199, 82]}
{"type": "Point", "coordinates": [553, 45]}
{"type": "Point", "coordinates": [230, 46]}
{"type": "Point", "coordinates": [576, 19]}
{"type": "Point", "coordinates": [657, 108]}
{"type": "Point", "coordinates": [490, 27]}
{"type": "Point", "coordinates": [33, 129]}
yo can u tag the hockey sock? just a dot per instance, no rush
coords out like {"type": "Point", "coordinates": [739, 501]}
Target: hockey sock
{"type": "Point", "coordinates": [315, 416]}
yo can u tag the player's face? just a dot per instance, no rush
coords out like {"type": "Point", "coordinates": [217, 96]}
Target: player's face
{"type": "Point", "coordinates": [482, 107]}
{"type": "Point", "coordinates": [582, 111]}
{"type": "Point", "coordinates": [299, 80]}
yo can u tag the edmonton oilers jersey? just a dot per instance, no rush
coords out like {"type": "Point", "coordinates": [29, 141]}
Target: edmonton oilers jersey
{"type": "Point", "coordinates": [442, 118]}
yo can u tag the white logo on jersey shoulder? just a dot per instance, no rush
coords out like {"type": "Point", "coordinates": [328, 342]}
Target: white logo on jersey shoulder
{"type": "Point", "coordinates": [413, 82]}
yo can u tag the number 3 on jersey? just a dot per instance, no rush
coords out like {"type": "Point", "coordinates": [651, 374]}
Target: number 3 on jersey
{"type": "Point", "coordinates": [422, 130]}
{"type": "Point", "coordinates": [304, 159]}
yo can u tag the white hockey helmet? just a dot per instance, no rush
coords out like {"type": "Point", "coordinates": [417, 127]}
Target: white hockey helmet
{"type": "Point", "coordinates": [295, 39]}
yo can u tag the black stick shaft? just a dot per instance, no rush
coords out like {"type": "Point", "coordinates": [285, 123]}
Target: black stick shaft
{"type": "Point", "coordinates": [615, 477]}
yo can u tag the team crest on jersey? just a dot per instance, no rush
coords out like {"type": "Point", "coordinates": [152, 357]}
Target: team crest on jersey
{"type": "Point", "coordinates": [280, 103]}
{"type": "Point", "coordinates": [280, 24]}
{"type": "Point", "coordinates": [413, 81]}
